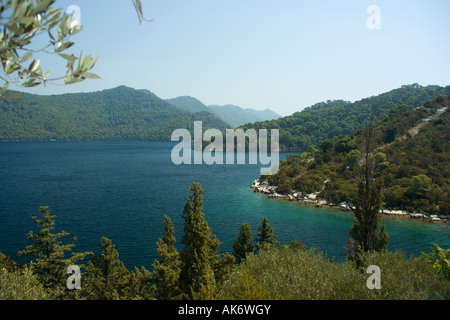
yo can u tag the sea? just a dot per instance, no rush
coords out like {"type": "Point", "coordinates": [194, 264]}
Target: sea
{"type": "Point", "coordinates": [122, 190]}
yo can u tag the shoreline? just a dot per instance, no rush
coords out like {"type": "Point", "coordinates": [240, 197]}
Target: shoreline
{"type": "Point", "coordinates": [314, 201]}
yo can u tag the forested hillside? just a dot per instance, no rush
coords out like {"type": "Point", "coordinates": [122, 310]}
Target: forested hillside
{"type": "Point", "coordinates": [327, 120]}
{"type": "Point", "coordinates": [410, 151]}
{"type": "Point", "coordinates": [121, 113]}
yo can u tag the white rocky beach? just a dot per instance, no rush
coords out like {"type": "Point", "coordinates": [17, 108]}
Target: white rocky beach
{"type": "Point", "coordinates": [313, 199]}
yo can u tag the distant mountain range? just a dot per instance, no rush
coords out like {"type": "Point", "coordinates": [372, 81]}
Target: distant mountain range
{"type": "Point", "coordinates": [232, 115]}
{"type": "Point", "coordinates": [125, 113]}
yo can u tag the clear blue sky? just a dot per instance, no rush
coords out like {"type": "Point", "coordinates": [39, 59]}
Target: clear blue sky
{"type": "Point", "coordinates": [279, 54]}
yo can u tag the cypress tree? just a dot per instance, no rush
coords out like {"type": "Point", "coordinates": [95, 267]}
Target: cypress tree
{"type": "Point", "coordinates": [366, 231]}
{"type": "Point", "coordinates": [108, 278]}
{"type": "Point", "coordinates": [167, 269]}
{"type": "Point", "coordinates": [199, 254]}
{"type": "Point", "coordinates": [243, 244]}
{"type": "Point", "coordinates": [266, 236]}
{"type": "Point", "coordinates": [50, 265]}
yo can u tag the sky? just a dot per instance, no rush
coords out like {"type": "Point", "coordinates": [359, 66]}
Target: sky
{"type": "Point", "coordinates": [284, 55]}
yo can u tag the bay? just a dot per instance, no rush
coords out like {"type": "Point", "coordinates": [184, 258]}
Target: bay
{"type": "Point", "coordinates": [122, 190]}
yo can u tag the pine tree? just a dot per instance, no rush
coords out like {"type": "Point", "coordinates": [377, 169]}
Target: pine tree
{"type": "Point", "coordinates": [199, 254]}
{"type": "Point", "coordinates": [266, 236]}
{"type": "Point", "coordinates": [167, 269]}
{"type": "Point", "coordinates": [108, 278]}
{"type": "Point", "coordinates": [50, 265]}
{"type": "Point", "coordinates": [243, 244]}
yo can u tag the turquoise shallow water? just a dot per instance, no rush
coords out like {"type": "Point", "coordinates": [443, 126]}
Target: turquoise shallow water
{"type": "Point", "coordinates": [122, 190]}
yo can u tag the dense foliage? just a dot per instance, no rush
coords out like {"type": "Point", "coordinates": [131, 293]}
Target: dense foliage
{"type": "Point", "coordinates": [264, 270]}
{"type": "Point", "coordinates": [121, 113]}
{"type": "Point", "coordinates": [324, 121]}
{"type": "Point", "coordinates": [289, 273]}
{"type": "Point", "coordinates": [410, 153]}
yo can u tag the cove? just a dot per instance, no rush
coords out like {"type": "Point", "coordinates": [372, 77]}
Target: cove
{"type": "Point", "coordinates": [122, 190]}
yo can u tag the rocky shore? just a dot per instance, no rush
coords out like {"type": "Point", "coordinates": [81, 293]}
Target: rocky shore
{"type": "Point", "coordinates": [313, 199]}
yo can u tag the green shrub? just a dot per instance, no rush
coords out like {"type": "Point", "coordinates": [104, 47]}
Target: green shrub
{"type": "Point", "coordinates": [6, 263]}
{"type": "Point", "coordinates": [20, 285]}
{"type": "Point", "coordinates": [405, 279]}
{"type": "Point", "coordinates": [440, 259]}
{"type": "Point", "coordinates": [292, 274]}
{"type": "Point", "coordinates": [244, 285]}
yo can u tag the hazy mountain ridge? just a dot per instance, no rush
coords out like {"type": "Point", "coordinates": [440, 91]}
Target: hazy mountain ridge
{"type": "Point", "coordinates": [234, 116]}
{"type": "Point", "coordinates": [237, 116]}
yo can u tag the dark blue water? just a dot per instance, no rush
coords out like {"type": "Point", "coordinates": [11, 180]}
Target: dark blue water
{"type": "Point", "coordinates": [122, 190]}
